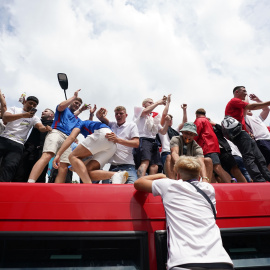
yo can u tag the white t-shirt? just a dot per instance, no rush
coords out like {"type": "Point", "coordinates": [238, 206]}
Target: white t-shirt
{"type": "Point", "coordinates": [123, 154]}
{"type": "Point", "coordinates": [235, 150]}
{"type": "Point", "coordinates": [2, 126]}
{"type": "Point", "coordinates": [165, 142]}
{"type": "Point", "coordinates": [18, 130]}
{"type": "Point", "coordinates": [193, 236]}
{"type": "Point", "coordinates": [258, 128]}
{"type": "Point", "coordinates": [149, 125]}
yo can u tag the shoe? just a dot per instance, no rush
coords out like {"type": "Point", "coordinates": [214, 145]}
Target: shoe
{"type": "Point", "coordinates": [233, 180]}
{"type": "Point", "coordinates": [119, 177]}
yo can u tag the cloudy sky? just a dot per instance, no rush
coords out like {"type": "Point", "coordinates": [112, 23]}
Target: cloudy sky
{"type": "Point", "coordinates": [122, 51]}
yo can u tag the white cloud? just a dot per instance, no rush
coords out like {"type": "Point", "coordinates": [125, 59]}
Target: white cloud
{"type": "Point", "coordinates": [120, 52]}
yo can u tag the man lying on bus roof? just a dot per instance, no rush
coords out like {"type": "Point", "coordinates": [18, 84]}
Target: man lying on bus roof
{"type": "Point", "coordinates": [95, 145]}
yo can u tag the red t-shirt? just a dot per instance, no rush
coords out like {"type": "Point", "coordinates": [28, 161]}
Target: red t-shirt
{"type": "Point", "coordinates": [235, 108]}
{"type": "Point", "coordinates": [206, 138]}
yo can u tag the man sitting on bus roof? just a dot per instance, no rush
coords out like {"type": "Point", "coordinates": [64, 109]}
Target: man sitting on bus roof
{"type": "Point", "coordinates": [185, 145]}
{"type": "Point", "coordinates": [126, 137]}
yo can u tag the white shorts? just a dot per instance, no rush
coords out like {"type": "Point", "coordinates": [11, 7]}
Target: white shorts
{"type": "Point", "coordinates": [54, 141]}
{"type": "Point", "coordinates": [101, 149]}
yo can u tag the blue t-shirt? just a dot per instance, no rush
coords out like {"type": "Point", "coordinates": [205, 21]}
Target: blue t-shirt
{"type": "Point", "coordinates": [88, 127]}
{"type": "Point", "coordinates": [65, 121]}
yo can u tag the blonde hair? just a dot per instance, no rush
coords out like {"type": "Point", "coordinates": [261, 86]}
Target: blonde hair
{"type": "Point", "coordinates": [146, 100]}
{"type": "Point", "coordinates": [188, 167]}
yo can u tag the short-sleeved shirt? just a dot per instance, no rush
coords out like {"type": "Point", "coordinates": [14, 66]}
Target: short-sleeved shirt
{"type": "Point", "coordinates": [149, 125]}
{"type": "Point", "coordinates": [256, 125]}
{"type": "Point", "coordinates": [235, 108]}
{"type": "Point", "coordinates": [123, 154]}
{"type": "Point", "coordinates": [191, 226]}
{"type": "Point", "coordinates": [193, 149]}
{"type": "Point", "coordinates": [65, 121]}
{"type": "Point", "coordinates": [206, 138]}
{"type": "Point", "coordinates": [18, 130]}
{"type": "Point", "coordinates": [88, 127]}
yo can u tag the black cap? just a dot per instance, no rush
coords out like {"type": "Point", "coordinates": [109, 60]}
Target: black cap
{"type": "Point", "coordinates": [33, 99]}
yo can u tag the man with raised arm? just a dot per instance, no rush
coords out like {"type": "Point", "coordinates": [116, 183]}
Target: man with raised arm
{"type": "Point", "coordinates": [3, 108]}
{"type": "Point", "coordinates": [126, 137]}
{"type": "Point", "coordinates": [257, 127]}
{"type": "Point", "coordinates": [19, 122]}
{"type": "Point", "coordinates": [253, 159]}
{"type": "Point", "coordinates": [165, 139]}
{"type": "Point", "coordinates": [148, 123]}
{"type": "Point", "coordinates": [184, 119]}
{"type": "Point", "coordinates": [63, 124]}
{"type": "Point", "coordinates": [193, 237]}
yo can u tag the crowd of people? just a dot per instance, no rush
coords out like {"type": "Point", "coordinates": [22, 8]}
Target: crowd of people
{"type": "Point", "coordinates": [238, 150]}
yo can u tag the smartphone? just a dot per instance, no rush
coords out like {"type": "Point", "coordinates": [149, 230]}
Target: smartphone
{"type": "Point", "coordinates": [33, 110]}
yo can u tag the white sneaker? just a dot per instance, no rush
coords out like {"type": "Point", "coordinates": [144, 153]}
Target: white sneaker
{"type": "Point", "coordinates": [119, 177]}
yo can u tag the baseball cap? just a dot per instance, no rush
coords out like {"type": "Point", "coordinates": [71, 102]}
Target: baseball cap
{"type": "Point", "coordinates": [33, 99]}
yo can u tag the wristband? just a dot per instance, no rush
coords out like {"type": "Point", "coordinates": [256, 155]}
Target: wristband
{"type": "Point", "coordinates": [205, 177]}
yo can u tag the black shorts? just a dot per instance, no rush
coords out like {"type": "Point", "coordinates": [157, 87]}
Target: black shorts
{"type": "Point", "coordinates": [148, 150]}
{"type": "Point", "coordinates": [214, 157]}
{"type": "Point", "coordinates": [227, 160]}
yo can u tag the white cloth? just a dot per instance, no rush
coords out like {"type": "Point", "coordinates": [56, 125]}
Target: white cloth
{"type": "Point", "coordinates": [165, 142]}
{"type": "Point", "coordinates": [258, 127]}
{"type": "Point", "coordinates": [149, 125]}
{"type": "Point", "coordinates": [2, 126]}
{"type": "Point", "coordinates": [193, 236]}
{"type": "Point", "coordinates": [102, 149]}
{"type": "Point", "coordinates": [18, 130]}
{"type": "Point", "coordinates": [123, 154]}
{"type": "Point", "coordinates": [235, 150]}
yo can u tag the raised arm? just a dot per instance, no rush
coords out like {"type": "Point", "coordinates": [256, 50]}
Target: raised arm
{"type": "Point", "coordinates": [265, 111]}
{"type": "Point", "coordinates": [101, 115]}
{"type": "Point", "coordinates": [83, 108]}
{"type": "Point", "coordinates": [184, 120]}
{"type": "Point", "coordinates": [92, 112]}
{"type": "Point", "coordinates": [150, 108]}
{"type": "Point", "coordinates": [3, 104]}
{"type": "Point", "coordinates": [145, 183]}
{"type": "Point", "coordinates": [166, 110]}
{"type": "Point", "coordinates": [164, 129]}
{"type": "Point", "coordinates": [69, 140]}
{"type": "Point", "coordinates": [63, 105]}
{"type": "Point", "coordinates": [257, 106]}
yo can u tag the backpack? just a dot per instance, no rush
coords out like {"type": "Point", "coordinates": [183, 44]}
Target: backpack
{"type": "Point", "coordinates": [230, 127]}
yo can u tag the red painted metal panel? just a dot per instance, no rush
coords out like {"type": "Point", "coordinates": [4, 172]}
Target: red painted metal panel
{"type": "Point", "coordinates": [20, 201]}
{"type": "Point", "coordinates": [73, 207]}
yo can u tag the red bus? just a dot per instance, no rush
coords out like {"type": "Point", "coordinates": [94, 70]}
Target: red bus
{"type": "Point", "coordinates": [75, 226]}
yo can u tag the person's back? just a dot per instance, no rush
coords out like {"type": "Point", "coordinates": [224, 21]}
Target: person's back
{"type": "Point", "coordinates": [190, 223]}
{"type": "Point", "coordinates": [194, 240]}
{"type": "Point", "coordinates": [206, 138]}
